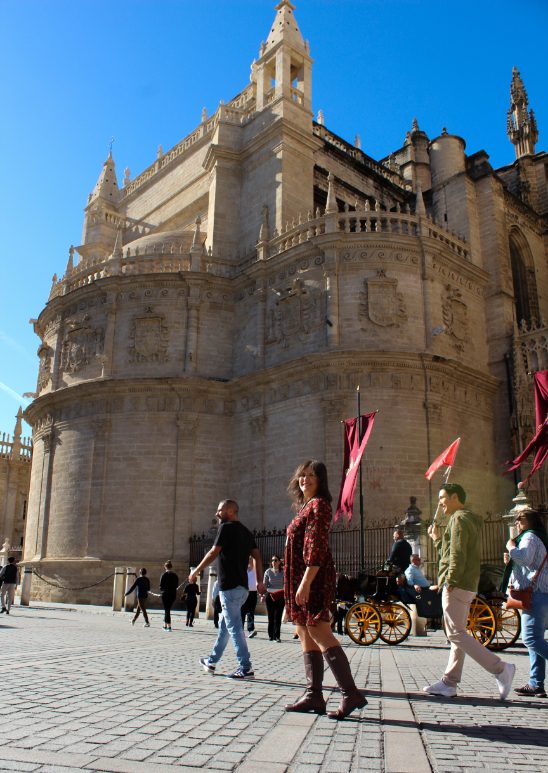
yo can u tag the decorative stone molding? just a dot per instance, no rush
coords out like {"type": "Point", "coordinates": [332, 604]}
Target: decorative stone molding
{"type": "Point", "coordinates": [380, 301]}
{"type": "Point", "coordinates": [81, 344]}
{"type": "Point", "coordinates": [149, 338]}
{"type": "Point", "coordinates": [455, 317]}
{"type": "Point", "coordinates": [298, 312]}
{"type": "Point", "coordinates": [379, 253]}
{"type": "Point", "coordinates": [45, 355]}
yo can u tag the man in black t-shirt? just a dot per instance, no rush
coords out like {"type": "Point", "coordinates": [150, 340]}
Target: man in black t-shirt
{"type": "Point", "coordinates": [233, 545]}
{"type": "Point", "coordinates": [401, 552]}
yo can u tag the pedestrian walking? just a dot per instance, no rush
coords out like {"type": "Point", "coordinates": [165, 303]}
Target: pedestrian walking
{"type": "Point", "coordinates": [233, 545]}
{"type": "Point", "coordinates": [142, 588]}
{"type": "Point", "coordinates": [250, 604]}
{"type": "Point", "coordinates": [275, 603]}
{"type": "Point", "coordinates": [401, 551]}
{"type": "Point", "coordinates": [458, 575]}
{"type": "Point", "coordinates": [309, 587]}
{"type": "Point", "coordinates": [527, 567]}
{"type": "Point", "coordinates": [190, 595]}
{"type": "Point", "coordinates": [8, 580]}
{"type": "Point", "coordinates": [169, 582]}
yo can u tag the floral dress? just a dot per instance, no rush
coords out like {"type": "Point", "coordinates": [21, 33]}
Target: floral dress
{"type": "Point", "coordinates": [308, 545]}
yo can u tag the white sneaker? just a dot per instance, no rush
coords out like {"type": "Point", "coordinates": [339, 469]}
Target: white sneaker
{"type": "Point", "coordinates": [440, 688]}
{"type": "Point", "coordinates": [505, 679]}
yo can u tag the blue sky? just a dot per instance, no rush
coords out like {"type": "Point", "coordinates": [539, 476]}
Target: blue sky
{"type": "Point", "coordinates": [76, 73]}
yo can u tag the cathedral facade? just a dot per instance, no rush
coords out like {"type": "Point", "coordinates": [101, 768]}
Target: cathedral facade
{"type": "Point", "coordinates": [210, 331]}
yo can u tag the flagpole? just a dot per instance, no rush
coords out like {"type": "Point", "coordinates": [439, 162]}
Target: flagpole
{"type": "Point", "coordinates": [446, 475]}
{"type": "Point", "coordinates": [362, 547]}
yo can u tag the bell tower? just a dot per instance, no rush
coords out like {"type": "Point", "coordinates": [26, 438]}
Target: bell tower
{"type": "Point", "coordinates": [284, 67]}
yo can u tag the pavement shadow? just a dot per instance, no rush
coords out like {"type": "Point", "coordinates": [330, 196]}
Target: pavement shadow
{"type": "Point", "coordinates": [524, 736]}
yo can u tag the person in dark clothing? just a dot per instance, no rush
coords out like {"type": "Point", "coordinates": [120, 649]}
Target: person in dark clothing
{"type": "Point", "coordinates": [232, 547]}
{"type": "Point", "coordinates": [142, 587]}
{"type": "Point", "coordinates": [169, 582]}
{"type": "Point", "coordinates": [8, 581]}
{"type": "Point", "coordinates": [401, 552]}
{"type": "Point", "coordinates": [190, 595]}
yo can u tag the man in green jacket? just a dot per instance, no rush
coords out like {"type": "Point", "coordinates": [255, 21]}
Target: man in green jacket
{"type": "Point", "coordinates": [459, 570]}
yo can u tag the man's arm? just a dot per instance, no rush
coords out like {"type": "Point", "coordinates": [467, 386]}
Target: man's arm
{"type": "Point", "coordinates": [208, 559]}
{"type": "Point", "coordinates": [257, 560]}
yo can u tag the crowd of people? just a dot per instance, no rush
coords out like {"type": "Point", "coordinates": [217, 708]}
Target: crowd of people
{"type": "Point", "coordinates": [303, 586]}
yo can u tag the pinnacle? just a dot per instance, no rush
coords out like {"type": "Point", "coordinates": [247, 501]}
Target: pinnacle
{"type": "Point", "coordinates": [106, 187]}
{"type": "Point", "coordinates": [285, 28]}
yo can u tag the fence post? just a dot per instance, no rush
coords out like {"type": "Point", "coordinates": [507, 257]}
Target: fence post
{"type": "Point", "coordinates": [26, 586]}
{"type": "Point", "coordinates": [129, 601]}
{"type": "Point", "coordinates": [118, 589]}
{"type": "Point", "coordinates": [210, 605]}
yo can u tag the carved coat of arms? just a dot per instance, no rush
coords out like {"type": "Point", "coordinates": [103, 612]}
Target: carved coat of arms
{"type": "Point", "coordinates": [381, 302]}
{"type": "Point", "coordinates": [45, 354]}
{"type": "Point", "coordinates": [149, 339]}
{"type": "Point", "coordinates": [455, 317]}
{"type": "Point", "coordinates": [82, 343]}
{"type": "Point", "coordinates": [298, 311]}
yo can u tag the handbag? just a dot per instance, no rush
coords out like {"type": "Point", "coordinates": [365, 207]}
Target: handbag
{"type": "Point", "coordinates": [523, 599]}
{"type": "Point", "coordinates": [276, 595]}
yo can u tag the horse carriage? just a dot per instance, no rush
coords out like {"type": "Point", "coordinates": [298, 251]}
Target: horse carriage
{"type": "Point", "coordinates": [371, 608]}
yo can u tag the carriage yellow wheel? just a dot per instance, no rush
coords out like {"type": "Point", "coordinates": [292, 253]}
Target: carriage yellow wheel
{"type": "Point", "coordinates": [363, 623]}
{"type": "Point", "coordinates": [481, 622]}
{"type": "Point", "coordinates": [396, 622]}
{"type": "Point", "coordinates": [507, 625]}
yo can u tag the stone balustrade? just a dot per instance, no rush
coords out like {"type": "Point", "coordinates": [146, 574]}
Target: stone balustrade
{"type": "Point", "coordinates": [7, 445]}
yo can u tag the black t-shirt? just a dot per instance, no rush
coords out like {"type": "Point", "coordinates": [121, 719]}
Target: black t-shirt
{"type": "Point", "coordinates": [169, 582]}
{"type": "Point", "coordinates": [191, 590]}
{"type": "Point", "coordinates": [236, 543]}
{"type": "Point", "coordinates": [401, 554]}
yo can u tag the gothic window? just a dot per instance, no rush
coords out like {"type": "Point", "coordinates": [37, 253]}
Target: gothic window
{"type": "Point", "coordinates": [524, 279]}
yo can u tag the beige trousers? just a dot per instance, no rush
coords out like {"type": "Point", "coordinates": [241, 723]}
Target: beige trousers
{"type": "Point", "coordinates": [456, 605]}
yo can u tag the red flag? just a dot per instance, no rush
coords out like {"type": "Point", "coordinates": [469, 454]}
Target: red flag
{"type": "Point", "coordinates": [539, 443]}
{"type": "Point", "coordinates": [447, 457]}
{"type": "Point", "coordinates": [353, 452]}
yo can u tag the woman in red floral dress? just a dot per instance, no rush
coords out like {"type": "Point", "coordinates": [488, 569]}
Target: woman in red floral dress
{"type": "Point", "coordinates": [310, 591]}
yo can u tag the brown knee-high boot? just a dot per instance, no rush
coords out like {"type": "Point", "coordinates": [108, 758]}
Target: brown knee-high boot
{"type": "Point", "coordinates": [352, 698]}
{"type": "Point", "coordinates": [313, 699]}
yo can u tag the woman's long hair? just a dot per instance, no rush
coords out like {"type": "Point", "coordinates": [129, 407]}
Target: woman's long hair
{"type": "Point", "coordinates": [320, 471]}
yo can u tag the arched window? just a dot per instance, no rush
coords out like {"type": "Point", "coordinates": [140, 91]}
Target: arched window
{"type": "Point", "coordinates": [524, 279]}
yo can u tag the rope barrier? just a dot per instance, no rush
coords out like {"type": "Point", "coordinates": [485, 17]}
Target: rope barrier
{"type": "Point", "coordinates": [66, 587]}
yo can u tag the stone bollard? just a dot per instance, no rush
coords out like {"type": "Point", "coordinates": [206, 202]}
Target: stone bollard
{"type": "Point", "coordinates": [118, 589]}
{"type": "Point", "coordinates": [4, 553]}
{"type": "Point", "coordinates": [129, 601]}
{"type": "Point", "coordinates": [418, 624]}
{"type": "Point", "coordinates": [26, 586]}
{"type": "Point", "coordinates": [212, 579]}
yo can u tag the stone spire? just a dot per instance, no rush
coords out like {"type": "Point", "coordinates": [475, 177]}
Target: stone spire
{"type": "Point", "coordinates": [17, 432]}
{"type": "Point", "coordinates": [521, 125]}
{"type": "Point", "coordinates": [331, 204]}
{"type": "Point", "coordinates": [285, 28]}
{"type": "Point", "coordinates": [107, 184]}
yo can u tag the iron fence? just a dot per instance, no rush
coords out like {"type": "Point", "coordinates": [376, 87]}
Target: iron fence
{"type": "Point", "coordinates": [345, 547]}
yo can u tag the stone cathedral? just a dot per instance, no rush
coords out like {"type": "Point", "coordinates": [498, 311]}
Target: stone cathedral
{"type": "Point", "coordinates": [210, 331]}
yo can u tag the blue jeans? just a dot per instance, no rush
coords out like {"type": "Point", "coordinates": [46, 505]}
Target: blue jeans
{"type": "Point", "coordinates": [533, 625]}
{"type": "Point", "coordinates": [230, 624]}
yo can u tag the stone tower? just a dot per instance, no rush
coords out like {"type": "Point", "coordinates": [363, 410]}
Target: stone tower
{"type": "Point", "coordinates": [15, 467]}
{"type": "Point", "coordinates": [210, 331]}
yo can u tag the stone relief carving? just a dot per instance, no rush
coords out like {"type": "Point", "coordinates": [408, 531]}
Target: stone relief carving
{"type": "Point", "coordinates": [149, 338]}
{"type": "Point", "coordinates": [455, 317]}
{"type": "Point", "coordinates": [381, 303]}
{"type": "Point", "coordinates": [298, 312]}
{"type": "Point", "coordinates": [81, 344]}
{"type": "Point", "coordinates": [45, 355]}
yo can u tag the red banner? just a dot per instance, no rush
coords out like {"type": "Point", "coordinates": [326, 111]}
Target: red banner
{"type": "Point", "coordinates": [539, 444]}
{"type": "Point", "coordinates": [353, 452]}
{"type": "Point", "coordinates": [447, 458]}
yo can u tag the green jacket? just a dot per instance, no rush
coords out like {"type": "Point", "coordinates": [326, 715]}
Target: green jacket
{"type": "Point", "coordinates": [460, 550]}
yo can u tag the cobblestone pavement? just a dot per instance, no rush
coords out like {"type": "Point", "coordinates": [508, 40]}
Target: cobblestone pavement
{"type": "Point", "coordinates": [84, 690]}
